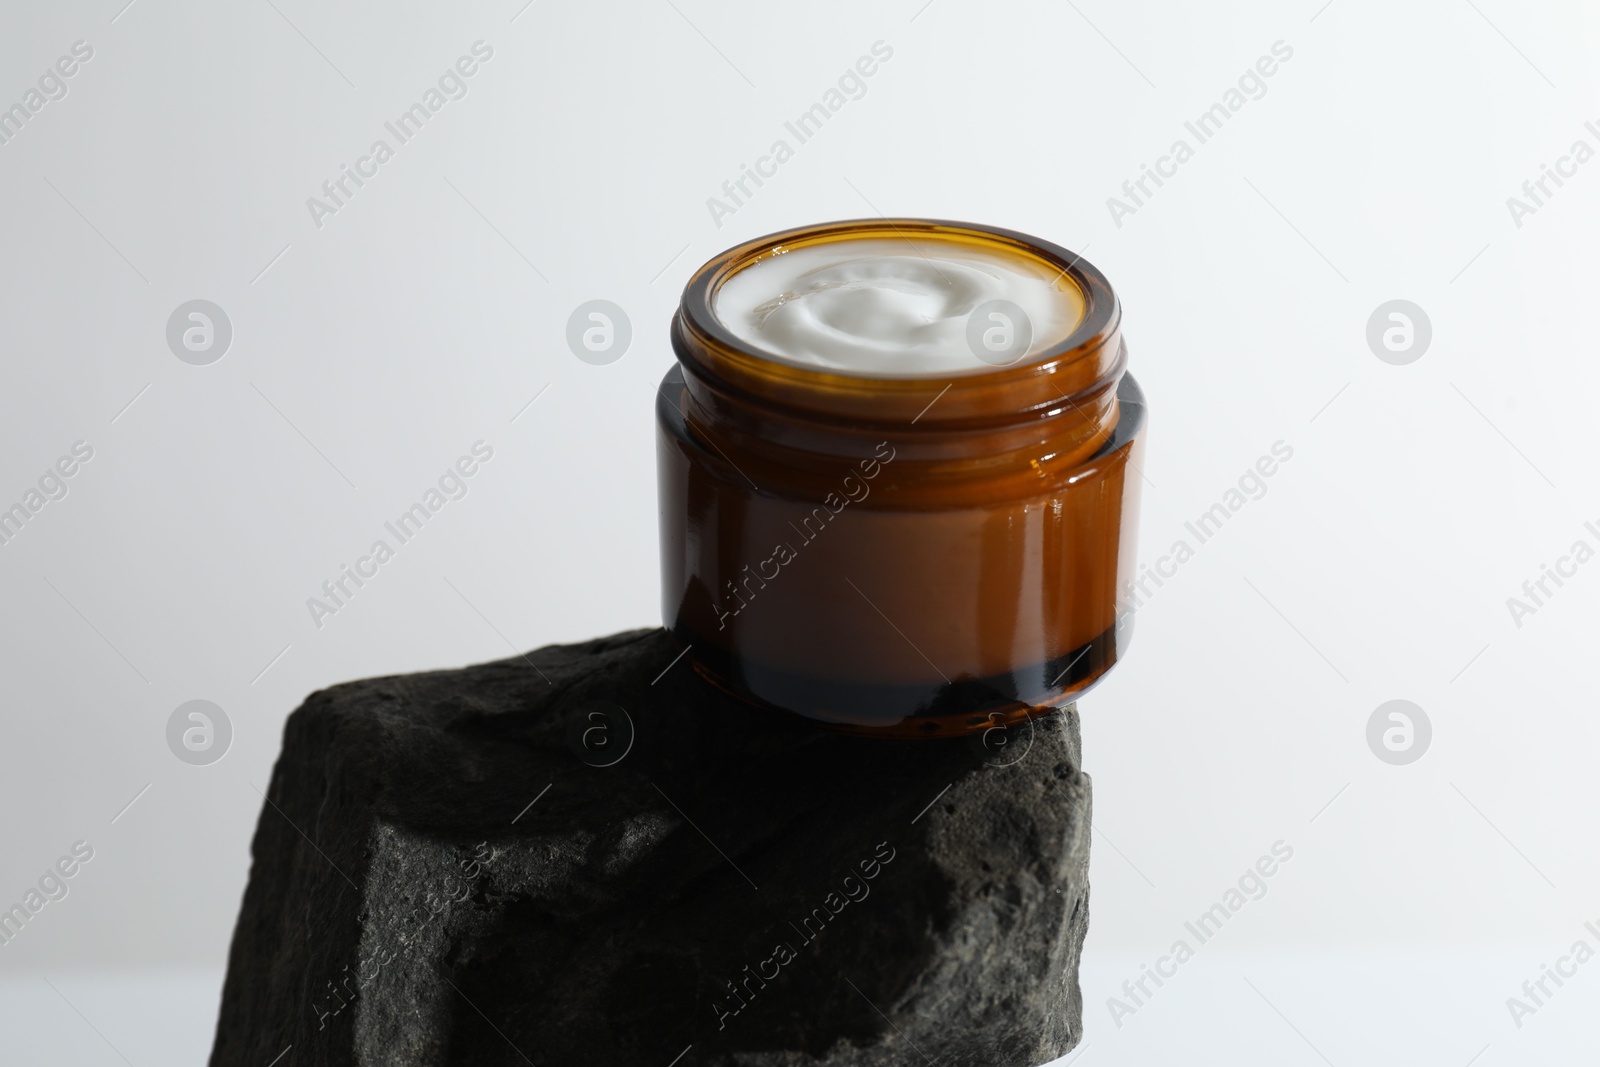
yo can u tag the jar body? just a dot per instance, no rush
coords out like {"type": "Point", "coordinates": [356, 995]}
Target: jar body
{"type": "Point", "coordinates": [906, 578]}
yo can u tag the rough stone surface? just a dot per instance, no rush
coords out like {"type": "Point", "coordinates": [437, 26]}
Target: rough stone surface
{"type": "Point", "coordinates": [870, 902]}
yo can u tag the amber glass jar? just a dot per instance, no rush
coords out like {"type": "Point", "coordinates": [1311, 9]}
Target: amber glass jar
{"type": "Point", "coordinates": [912, 556]}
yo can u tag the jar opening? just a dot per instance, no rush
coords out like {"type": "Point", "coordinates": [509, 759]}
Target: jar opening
{"type": "Point", "coordinates": [902, 306]}
{"type": "Point", "coordinates": [1071, 372]}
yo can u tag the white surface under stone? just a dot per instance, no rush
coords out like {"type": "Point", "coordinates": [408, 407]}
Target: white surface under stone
{"type": "Point", "coordinates": [1359, 1008]}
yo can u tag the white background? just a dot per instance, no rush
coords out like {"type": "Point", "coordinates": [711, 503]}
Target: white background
{"type": "Point", "coordinates": [370, 352]}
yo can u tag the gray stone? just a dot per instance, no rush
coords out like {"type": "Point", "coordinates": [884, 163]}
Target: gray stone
{"type": "Point", "coordinates": [738, 888]}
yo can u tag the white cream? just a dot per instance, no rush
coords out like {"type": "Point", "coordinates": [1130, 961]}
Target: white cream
{"type": "Point", "coordinates": [893, 307]}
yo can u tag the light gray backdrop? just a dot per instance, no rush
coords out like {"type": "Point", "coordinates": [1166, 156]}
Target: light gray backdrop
{"type": "Point", "coordinates": [374, 344]}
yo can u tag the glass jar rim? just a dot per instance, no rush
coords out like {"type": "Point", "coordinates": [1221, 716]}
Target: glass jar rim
{"type": "Point", "coordinates": [1085, 362]}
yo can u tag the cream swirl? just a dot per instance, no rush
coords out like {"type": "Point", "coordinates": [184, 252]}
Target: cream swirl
{"type": "Point", "coordinates": [891, 308]}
